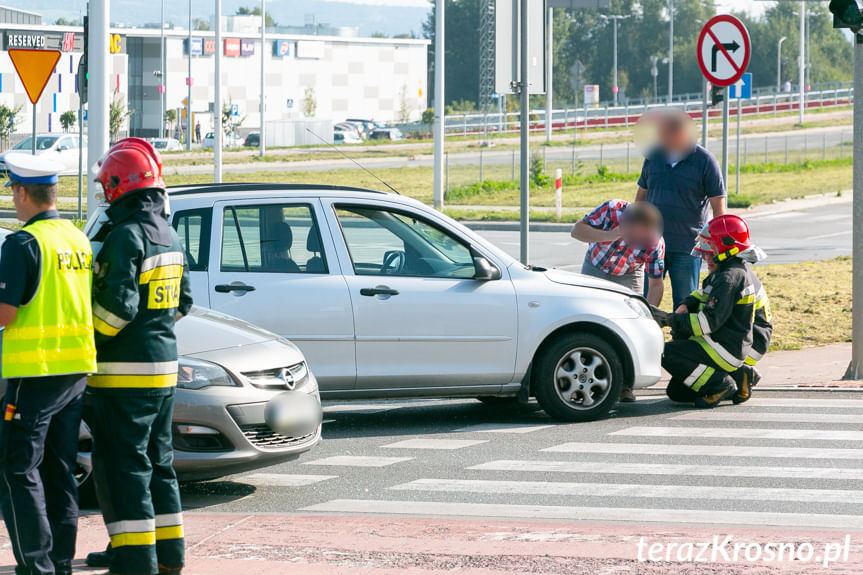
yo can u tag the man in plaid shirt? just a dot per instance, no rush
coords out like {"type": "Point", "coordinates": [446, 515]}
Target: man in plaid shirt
{"type": "Point", "coordinates": [625, 242]}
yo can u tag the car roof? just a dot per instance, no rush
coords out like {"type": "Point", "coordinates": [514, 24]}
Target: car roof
{"type": "Point", "coordinates": [232, 190]}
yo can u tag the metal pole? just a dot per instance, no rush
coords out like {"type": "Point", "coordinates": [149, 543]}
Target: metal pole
{"type": "Point", "coordinates": [779, 64]}
{"type": "Point", "coordinates": [737, 150]}
{"type": "Point", "coordinates": [855, 368]}
{"type": "Point", "coordinates": [162, 72]}
{"type": "Point", "coordinates": [262, 143]}
{"type": "Point", "coordinates": [217, 106]}
{"type": "Point", "coordinates": [615, 88]}
{"type": "Point", "coordinates": [439, 43]}
{"type": "Point", "coordinates": [725, 138]}
{"type": "Point", "coordinates": [98, 93]}
{"type": "Point", "coordinates": [705, 115]}
{"type": "Point", "coordinates": [33, 139]}
{"type": "Point", "coordinates": [189, 80]}
{"type": "Point", "coordinates": [670, 50]}
{"type": "Point", "coordinates": [801, 64]}
{"type": "Point", "coordinates": [549, 64]}
{"type": "Point", "coordinates": [525, 139]}
{"type": "Point", "coordinates": [80, 156]}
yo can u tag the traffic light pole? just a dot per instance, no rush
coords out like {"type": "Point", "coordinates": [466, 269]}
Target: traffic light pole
{"type": "Point", "coordinates": [855, 368]}
{"type": "Point", "coordinates": [524, 117]}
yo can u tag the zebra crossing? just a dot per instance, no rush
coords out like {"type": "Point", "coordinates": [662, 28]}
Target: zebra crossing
{"type": "Point", "coordinates": [775, 461]}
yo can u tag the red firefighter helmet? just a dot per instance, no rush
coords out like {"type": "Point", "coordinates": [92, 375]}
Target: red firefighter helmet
{"type": "Point", "coordinates": [131, 164]}
{"type": "Point", "coordinates": [728, 236]}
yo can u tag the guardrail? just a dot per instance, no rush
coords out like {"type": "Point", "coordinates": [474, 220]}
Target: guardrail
{"type": "Point", "coordinates": [611, 116]}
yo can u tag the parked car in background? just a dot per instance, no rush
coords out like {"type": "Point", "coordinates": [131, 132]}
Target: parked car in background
{"type": "Point", "coordinates": [346, 138]}
{"type": "Point", "coordinates": [348, 127]}
{"type": "Point", "coordinates": [392, 134]}
{"type": "Point", "coordinates": [253, 140]}
{"type": "Point", "coordinates": [366, 126]}
{"type": "Point", "coordinates": [167, 144]}
{"type": "Point", "coordinates": [387, 297]}
{"type": "Point", "coordinates": [62, 148]}
{"type": "Point", "coordinates": [229, 140]}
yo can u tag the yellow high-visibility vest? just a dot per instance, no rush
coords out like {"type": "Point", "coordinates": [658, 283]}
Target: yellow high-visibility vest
{"type": "Point", "coordinates": [52, 334]}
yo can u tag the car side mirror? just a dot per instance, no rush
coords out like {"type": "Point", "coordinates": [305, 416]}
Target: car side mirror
{"type": "Point", "coordinates": [485, 270]}
{"type": "Point", "coordinates": [62, 148]}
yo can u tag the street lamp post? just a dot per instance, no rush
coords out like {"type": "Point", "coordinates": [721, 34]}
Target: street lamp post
{"type": "Point", "coordinates": [670, 50]}
{"type": "Point", "coordinates": [779, 63]}
{"type": "Point", "coordinates": [614, 19]}
{"type": "Point", "coordinates": [189, 84]}
{"type": "Point", "coordinates": [162, 73]}
{"type": "Point", "coordinates": [654, 71]}
{"type": "Point", "coordinates": [263, 70]}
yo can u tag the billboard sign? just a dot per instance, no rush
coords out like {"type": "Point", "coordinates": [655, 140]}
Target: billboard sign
{"type": "Point", "coordinates": [281, 48]}
{"type": "Point", "coordinates": [197, 46]}
{"type": "Point", "coordinates": [232, 47]}
{"type": "Point", "coordinates": [247, 47]}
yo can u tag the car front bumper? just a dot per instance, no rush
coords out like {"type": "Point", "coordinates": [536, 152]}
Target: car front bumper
{"type": "Point", "coordinates": [645, 341]}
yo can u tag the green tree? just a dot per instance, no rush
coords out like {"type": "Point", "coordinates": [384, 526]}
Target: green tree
{"type": "Point", "coordinates": [230, 122]}
{"type": "Point", "coordinates": [118, 113]}
{"type": "Point", "coordinates": [256, 11]}
{"type": "Point", "coordinates": [68, 119]}
{"type": "Point", "coordinates": [310, 103]}
{"type": "Point", "coordinates": [462, 49]}
{"type": "Point", "coordinates": [8, 122]}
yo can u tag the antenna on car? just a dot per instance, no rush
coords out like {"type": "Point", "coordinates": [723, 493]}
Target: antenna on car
{"type": "Point", "coordinates": [359, 165]}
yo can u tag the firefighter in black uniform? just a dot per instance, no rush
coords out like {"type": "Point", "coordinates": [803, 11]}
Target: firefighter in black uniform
{"type": "Point", "coordinates": [712, 328]}
{"type": "Point", "coordinates": [140, 289]}
{"type": "Point", "coordinates": [762, 328]}
{"type": "Point", "coordinates": [48, 350]}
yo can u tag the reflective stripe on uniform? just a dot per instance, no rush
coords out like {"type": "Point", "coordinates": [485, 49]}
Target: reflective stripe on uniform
{"type": "Point", "coordinates": [700, 325]}
{"type": "Point", "coordinates": [162, 266]}
{"type": "Point", "coordinates": [133, 539]}
{"type": "Point", "coordinates": [137, 368]}
{"type": "Point", "coordinates": [108, 320]}
{"type": "Point", "coordinates": [132, 532]}
{"type": "Point", "coordinates": [39, 332]}
{"type": "Point", "coordinates": [747, 295]}
{"type": "Point", "coordinates": [169, 526]}
{"type": "Point", "coordinates": [104, 328]}
{"type": "Point", "coordinates": [699, 295]}
{"type": "Point", "coordinates": [718, 354]}
{"type": "Point", "coordinates": [750, 361]}
{"type": "Point", "coordinates": [133, 381]}
{"type": "Point", "coordinates": [699, 376]}
{"type": "Point", "coordinates": [755, 355]}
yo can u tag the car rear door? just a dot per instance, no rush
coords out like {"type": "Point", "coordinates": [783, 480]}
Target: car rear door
{"type": "Point", "coordinates": [421, 320]}
{"type": "Point", "coordinates": [272, 263]}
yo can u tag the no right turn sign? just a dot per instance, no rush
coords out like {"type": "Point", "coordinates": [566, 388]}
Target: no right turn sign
{"type": "Point", "coordinates": [723, 50]}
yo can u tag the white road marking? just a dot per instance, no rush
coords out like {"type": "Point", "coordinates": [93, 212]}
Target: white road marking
{"type": "Point", "coordinates": [483, 510]}
{"type": "Point", "coordinates": [801, 403]}
{"type": "Point", "coordinates": [641, 491]}
{"type": "Point", "coordinates": [433, 443]}
{"type": "Point", "coordinates": [736, 433]}
{"type": "Point", "coordinates": [282, 479]}
{"type": "Point", "coordinates": [617, 468]}
{"type": "Point", "coordinates": [709, 450]}
{"type": "Point", "coordinates": [503, 428]}
{"type": "Point", "coordinates": [746, 416]}
{"type": "Point", "coordinates": [825, 236]}
{"type": "Point", "coordinates": [358, 461]}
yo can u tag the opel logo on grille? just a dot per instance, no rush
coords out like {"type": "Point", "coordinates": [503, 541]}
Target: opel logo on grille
{"type": "Point", "coordinates": [286, 376]}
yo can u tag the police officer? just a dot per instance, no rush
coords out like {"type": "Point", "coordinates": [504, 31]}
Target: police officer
{"type": "Point", "coordinates": [140, 288]}
{"type": "Point", "coordinates": [48, 348]}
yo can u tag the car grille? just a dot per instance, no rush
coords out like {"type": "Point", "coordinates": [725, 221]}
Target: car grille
{"type": "Point", "coordinates": [278, 378]}
{"type": "Point", "coordinates": [264, 437]}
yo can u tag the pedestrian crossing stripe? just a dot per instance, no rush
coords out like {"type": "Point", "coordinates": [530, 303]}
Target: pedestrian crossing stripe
{"type": "Point", "coordinates": [800, 403]}
{"type": "Point", "coordinates": [357, 461]}
{"type": "Point", "coordinates": [502, 428]}
{"type": "Point", "coordinates": [741, 433]}
{"type": "Point", "coordinates": [639, 491]}
{"type": "Point", "coordinates": [748, 416]}
{"type": "Point", "coordinates": [623, 514]}
{"type": "Point", "coordinates": [435, 443]}
{"type": "Point", "coordinates": [618, 468]}
{"type": "Point", "coordinates": [282, 479]}
{"type": "Point", "coordinates": [777, 452]}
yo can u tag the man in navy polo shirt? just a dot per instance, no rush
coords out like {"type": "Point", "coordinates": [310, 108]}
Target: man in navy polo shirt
{"type": "Point", "coordinates": [684, 181]}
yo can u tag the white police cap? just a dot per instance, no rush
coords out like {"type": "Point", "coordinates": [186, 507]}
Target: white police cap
{"type": "Point", "coordinates": [26, 168]}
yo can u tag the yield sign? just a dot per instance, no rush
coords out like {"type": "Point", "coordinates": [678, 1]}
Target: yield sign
{"type": "Point", "coordinates": [34, 67]}
{"type": "Point", "coordinates": [723, 50]}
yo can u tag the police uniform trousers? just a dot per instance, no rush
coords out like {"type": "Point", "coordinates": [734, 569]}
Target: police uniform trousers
{"type": "Point", "coordinates": [38, 453]}
{"type": "Point", "coordinates": [136, 484]}
{"type": "Point", "coordinates": [693, 372]}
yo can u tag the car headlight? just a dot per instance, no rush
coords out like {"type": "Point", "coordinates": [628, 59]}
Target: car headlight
{"type": "Point", "coordinates": [198, 374]}
{"type": "Point", "coordinates": [638, 306]}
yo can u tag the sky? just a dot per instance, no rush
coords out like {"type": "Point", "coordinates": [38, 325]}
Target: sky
{"type": "Point", "coordinates": [387, 16]}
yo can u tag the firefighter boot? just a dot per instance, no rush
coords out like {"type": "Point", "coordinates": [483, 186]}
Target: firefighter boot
{"type": "Point", "coordinates": [714, 392]}
{"type": "Point", "coordinates": [745, 378]}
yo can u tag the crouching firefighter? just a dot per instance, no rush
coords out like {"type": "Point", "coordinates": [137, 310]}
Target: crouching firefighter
{"type": "Point", "coordinates": [712, 328]}
{"type": "Point", "coordinates": [140, 289]}
{"type": "Point", "coordinates": [747, 376]}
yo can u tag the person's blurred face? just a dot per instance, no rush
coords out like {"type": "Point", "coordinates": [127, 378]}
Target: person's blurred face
{"type": "Point", "coordinates": [640, 236]}
{"type": "Point", "coordinates": [673, 135]}
{"type": "Point", "coordinates": [710, 261]}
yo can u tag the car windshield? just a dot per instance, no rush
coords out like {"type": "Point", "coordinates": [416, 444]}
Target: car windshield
{"type": "Point", "coordinates": [42, 143]}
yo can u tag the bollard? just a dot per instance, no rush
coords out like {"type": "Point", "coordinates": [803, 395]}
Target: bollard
{"type": "Point", "coordinates": [481, 179]}
{"type": "Point", "coordinates": [558, 193]}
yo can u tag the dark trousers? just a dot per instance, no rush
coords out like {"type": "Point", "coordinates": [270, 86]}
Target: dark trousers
{"type": "Point", "coordinates": [38, 452]}
{"type": "Point", "coordinates": [693, 373]}
{"type": "Point", "coordinates": [135, 480]}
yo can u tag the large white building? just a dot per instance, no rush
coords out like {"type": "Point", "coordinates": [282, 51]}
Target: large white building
{"type": "Point", "coordinates": [377, 78]}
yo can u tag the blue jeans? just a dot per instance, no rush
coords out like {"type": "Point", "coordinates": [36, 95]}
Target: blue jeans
{"type": "Point", "coordinates": [684, 271]}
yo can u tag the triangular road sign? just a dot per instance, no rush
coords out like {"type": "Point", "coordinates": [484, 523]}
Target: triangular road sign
{"type": "Point", "coordinates": [34, 67]}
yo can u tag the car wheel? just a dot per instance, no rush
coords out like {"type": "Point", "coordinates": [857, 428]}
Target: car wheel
{"type": "Point", "coordinates": [578, 377]}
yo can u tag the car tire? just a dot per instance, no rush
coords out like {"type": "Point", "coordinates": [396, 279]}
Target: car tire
{"type": "Point", "coordinates": [578, 377]}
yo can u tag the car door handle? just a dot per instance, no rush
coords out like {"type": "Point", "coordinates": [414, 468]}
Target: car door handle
{"type": "Point", "coordinates": [228, 288]}
{"type": "Point", "coordinates": [380, 290]}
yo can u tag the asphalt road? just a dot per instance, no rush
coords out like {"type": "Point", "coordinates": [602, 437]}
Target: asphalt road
{"type": "Point", "coordinates": [816, 233]}
{"type": "Point", "coordinates": [786, 460]}
{"type": "Point", "coordinates": [812, 140]}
